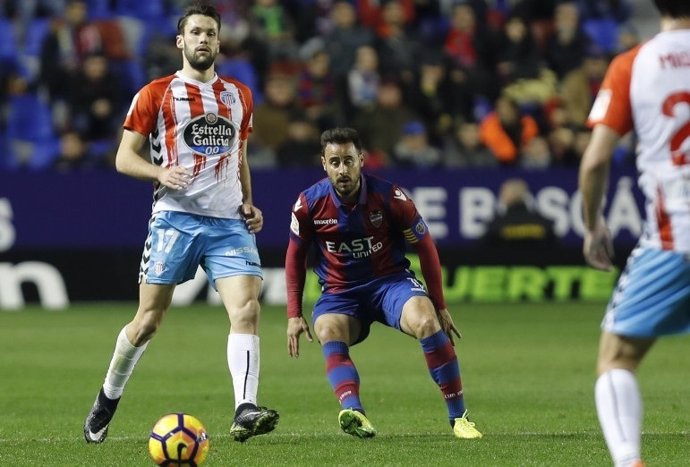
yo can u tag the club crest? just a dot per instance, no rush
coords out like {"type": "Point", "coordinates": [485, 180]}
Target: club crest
{"type": "Point", "coordinates": [227, 98]}
{"type": "Point", "coordinates": [376, 218]}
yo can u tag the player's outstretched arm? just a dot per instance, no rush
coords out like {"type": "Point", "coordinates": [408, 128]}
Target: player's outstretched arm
{"type": "Point", "coordinates": [593, 180]}
{"type": "Point", "coordinates": [297, 326]}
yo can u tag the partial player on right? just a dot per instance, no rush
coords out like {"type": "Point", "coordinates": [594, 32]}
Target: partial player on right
{"type": "Point", "coordinates": [646, 89]}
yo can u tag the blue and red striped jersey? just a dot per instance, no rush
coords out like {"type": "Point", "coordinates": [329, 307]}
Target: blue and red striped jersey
{"type": "Point", "coordinates": [355, 244]}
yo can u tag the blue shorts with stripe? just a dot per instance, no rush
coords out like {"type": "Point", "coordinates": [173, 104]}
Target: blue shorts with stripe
{"type": "Point", "coordinates": [380, 300]}
{"type": "Point", "coordinates": [652, 296]}
{"type": "Point", "coordinates": [178, 243]}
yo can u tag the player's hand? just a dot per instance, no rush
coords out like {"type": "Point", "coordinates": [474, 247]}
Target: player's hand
{"type": "Point", "coordinates": [295, 327]}
{"type": "Point", "coordinates": [253, 217]}
{"type": "Point", "coordinates": [598, 247]}
{"type": "Point", "coordinates": [448, 325]}
{"type": "Point", "coordinates": [176, 177]}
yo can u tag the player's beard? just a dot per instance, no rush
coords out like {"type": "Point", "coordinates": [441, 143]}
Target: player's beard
{"type": "Point", "coordinates": [346, 189]}
{"type": "Point", "coordinates": [200, 61]}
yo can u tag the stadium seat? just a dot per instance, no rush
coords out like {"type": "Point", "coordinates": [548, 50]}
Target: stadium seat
{"type": "Point", "coordinates": [242, 70]}
{"type": "Point", "coordinates": [141, 9]}
{"type": "Point", "coordinates": [603, 32]}
{"type": "Point", "coordinates": [8, 43]}
{"type": "Point", "coordinates": [37, 31]}
{"type": "Point", "coordinates": [30, 132]}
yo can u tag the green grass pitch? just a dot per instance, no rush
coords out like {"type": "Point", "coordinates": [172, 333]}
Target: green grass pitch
{"type": "Point", "coordinates": [528, 372]}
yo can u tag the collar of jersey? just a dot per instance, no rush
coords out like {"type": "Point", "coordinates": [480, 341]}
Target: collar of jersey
{"type": "Point", "coordinates": [187, 79]}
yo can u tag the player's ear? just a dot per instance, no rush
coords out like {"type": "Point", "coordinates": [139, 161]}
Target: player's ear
{"type": "Point", "coordinates": [323, 163]}
{"type": "Point", "coordinates": [179, 41]}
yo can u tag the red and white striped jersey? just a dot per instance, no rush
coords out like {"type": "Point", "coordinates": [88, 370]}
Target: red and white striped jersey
{"type": "Point", "coordinates": [648, 89]}
{"type": "Point", "coordinates": [201, 126]}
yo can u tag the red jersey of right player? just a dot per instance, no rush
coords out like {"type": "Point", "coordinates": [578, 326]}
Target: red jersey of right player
{"type": "Point", "coordinates": [648, 89]}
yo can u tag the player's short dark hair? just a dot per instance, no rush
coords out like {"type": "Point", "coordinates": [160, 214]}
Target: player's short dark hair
{"type": "Point", "coordinates": [340, 135]}
{"type": "Point", "coordinates": [198, 9]}
{"type": "Point", "coordinates": [673, 8]}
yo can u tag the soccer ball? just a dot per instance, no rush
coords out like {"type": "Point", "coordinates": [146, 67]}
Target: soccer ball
{"type": "Point", "coordinates": [178, 439]}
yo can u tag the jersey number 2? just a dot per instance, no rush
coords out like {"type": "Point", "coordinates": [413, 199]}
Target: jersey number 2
{"type": "Point", "coordinates": [677, 155]}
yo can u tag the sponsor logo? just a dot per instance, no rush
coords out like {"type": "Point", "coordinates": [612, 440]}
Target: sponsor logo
{"type": "Point", "coordinates": [357, 248]}
{"type": "Point", "coordinates": [242, 251]}
{"type": "Point", "coordinates": [209, 135]}
{"type": "Point", "coordinates": [251, 263]}
{"type": "Point", "coordinates": [325, 221]}
{"type": "Point", "coordinates": [376, 218]}
{"type": "Point", "coordinates": [183, 99]}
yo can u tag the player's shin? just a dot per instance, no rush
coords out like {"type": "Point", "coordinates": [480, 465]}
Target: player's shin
{"type": "Point", "coordinates": [342, 375]}
{"type": "Point", "coordinates": [445, 371]}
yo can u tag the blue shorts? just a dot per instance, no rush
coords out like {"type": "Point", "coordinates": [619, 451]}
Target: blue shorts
{"type": "Point", "coordinates": [652, 297]}
{"type": "Point", "coordinates": [178, 243]}
{"type": "Point", "coordinates": [380, 300]}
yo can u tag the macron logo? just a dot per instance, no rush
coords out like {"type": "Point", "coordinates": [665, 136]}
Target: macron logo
{"type": "Point", "coordinates": [298, 205]}
{"type": "Point", "coordinates": [398, 194]}
{"type": "Point", "coordinates": [325, 221]}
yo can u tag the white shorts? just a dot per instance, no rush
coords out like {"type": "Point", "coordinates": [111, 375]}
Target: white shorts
{"type": "Point", "coordinates": [178, 243]}
{"type": "Point", "coordinates": [652, 297]}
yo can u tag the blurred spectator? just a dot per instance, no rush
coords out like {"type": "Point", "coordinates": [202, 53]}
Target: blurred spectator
{"type": "Point", "coordinates": [505, 131]}
{"type": "Point", "coordinates": [430, 97]}
{"type": "Point", "coordinates": [74, 154]}
{"type": "Point", "coordinates": [561, 142]}
{"type": "Point", "coordinates": [398, 48]}
{"type": "Point", "coordinates": [162, 57]}
{"type": "Point", "coordinates": [95, 100]}
{"type": "Point", "coordinates": [381, 126]}
{"type": "Point", "coordinates": [519, 65]}
{"type": "Point", "coordinates": [628, 37]}
{"type": "Point", "coordinates": [517, 55]}
{"type": "Point", "coordinates": [72, 37]}
{"type": "Point", "coordinates": [271, 23]}
{"type": "Point", "coordinates": [316, 86]}
{"type": "Point", "coordinates": [362, 82]}
{"type": "Point", "coordinates": [272, 116]}
{"type": "Point", "coordinates": [463, 147]}
{"type": "Point", "coordinates": [346, 37]}
{"type": "Point", "coordinates": [517, 223]}
{"type": "Point", "coordinates": [536, 154]}
{"type": "Point", "coordinates": [581, 85]}
{"type": "Point", "coordinates": [413, 149]}
{"type": "Point", "coordinates": [565, 50]}
{"type": "Point", "coordinates": [372, 13]}
{"type": "Point", "coordinates": [302, 147]}
{"type": "Point", "coordinates": [470, 50]}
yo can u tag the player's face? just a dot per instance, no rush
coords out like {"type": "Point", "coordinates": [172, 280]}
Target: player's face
{"type": "Point", "coordinates": [199, 42]}
{"type": "Point", "coordinates": [343, 164]}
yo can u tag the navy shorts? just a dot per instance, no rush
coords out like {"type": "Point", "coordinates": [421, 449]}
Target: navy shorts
{"type": "Point", "coordinates": [380, 300]}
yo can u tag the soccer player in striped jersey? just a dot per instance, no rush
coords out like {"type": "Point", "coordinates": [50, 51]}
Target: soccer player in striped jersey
{"type": "Point", "coordinates": [646, 89]}
{"type": "Point", "coordinates": [197, 125]}
{"type": "Point", "coordinates": [360, 226]}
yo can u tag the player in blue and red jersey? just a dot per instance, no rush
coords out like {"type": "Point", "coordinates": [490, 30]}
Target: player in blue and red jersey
{"type": "Point", "coordinates": [360, 226]}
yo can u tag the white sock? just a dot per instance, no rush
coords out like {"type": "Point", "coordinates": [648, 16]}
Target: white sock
{"type": "Point", "coordinates": [619, 406]}
{"type": "Point", "coordinates": [243, 362]}
{"type": "Point", "coordinates": [125, 357]}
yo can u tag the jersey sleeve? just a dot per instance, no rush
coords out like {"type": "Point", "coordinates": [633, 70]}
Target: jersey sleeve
{"type": "Point", "coordinates": [405, 214]}
{"type": "Point", "coordinates": [247, 100]}
{"type": "Point", "coordinates": [417, 234]}
{"type": "Point", "coordinates": [296, 256]}
{"type": "Point", "coordinates": [143, 112]}
{"type": "Point", "coordinates": [612, 105]}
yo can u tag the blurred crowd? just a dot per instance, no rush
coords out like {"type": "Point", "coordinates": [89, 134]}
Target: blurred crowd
{"type": "Point", "coordinates": [427, 83]}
